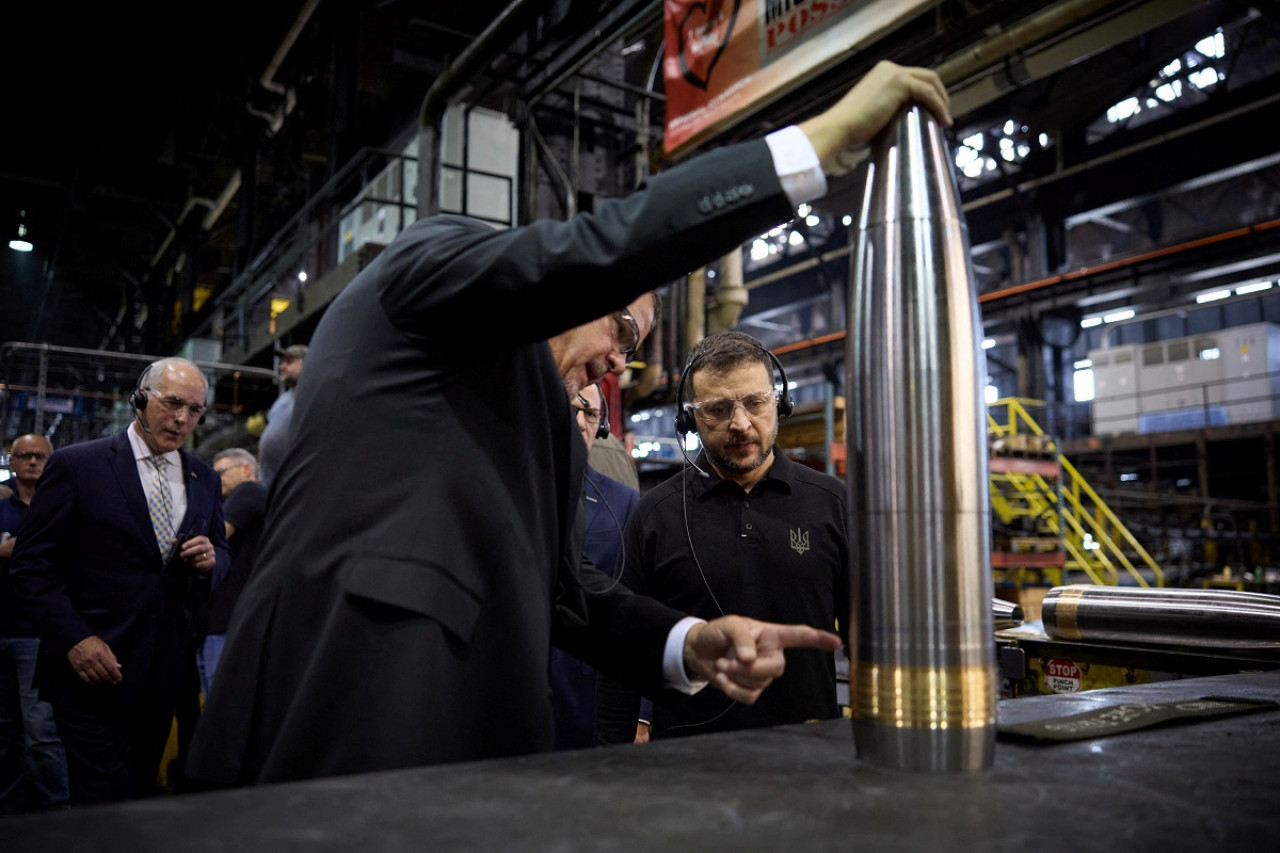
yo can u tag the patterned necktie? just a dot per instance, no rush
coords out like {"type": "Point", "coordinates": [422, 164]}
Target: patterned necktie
{"type": "Point", "coordinates": [160, 504]}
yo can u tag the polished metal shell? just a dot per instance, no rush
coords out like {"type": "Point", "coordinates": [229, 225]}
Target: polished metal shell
{"type": "Point", "coordinates": [1205, 618]}
{"type": "Point", "coordinates": [922, 672]}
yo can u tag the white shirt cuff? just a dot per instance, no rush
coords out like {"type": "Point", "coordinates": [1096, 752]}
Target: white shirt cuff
{"type": "Point", "coordinates": [673, 658]}
{"type": "Point", "coordinates": [797, 165]}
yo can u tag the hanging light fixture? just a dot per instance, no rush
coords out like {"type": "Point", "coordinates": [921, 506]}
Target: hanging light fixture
{"type": "Point", "coordinates": [21, 243]}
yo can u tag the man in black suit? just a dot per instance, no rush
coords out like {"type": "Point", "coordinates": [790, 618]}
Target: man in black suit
{"type": "Point", "coordinates": [106, 581]}
{"type": "Point", "coordinates": [405, 601]}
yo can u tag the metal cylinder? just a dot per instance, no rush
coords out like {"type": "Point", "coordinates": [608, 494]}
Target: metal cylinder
{"type": "Point", "coordinates": [1005, 614]}
{"type": "Point", "coordinates": [1204, 618]}
{"type": "Point", "coordinates": [922, 662]}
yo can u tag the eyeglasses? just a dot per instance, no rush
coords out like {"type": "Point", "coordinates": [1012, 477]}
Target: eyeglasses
{"type": "Point", "coordinates": [592, 416]}
{"type": "Point", "coordinates": [221, 471]}
{"type": "Point", "coordinates": [712, 412]}
{"type": "Point", "coordinates": [39, 457]}
{"type": "Point", "coordinates": [173, 405]}
{"type": "Point", "coordinates": [626, 333]}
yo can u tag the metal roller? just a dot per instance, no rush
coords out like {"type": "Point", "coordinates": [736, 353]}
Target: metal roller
{"type": "Point", "coordinates": [922, 671]}
{"type": "Point", "coordinates": [1211, 618]}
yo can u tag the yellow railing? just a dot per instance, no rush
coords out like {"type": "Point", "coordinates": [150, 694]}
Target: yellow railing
{"type": "Point", "coordinates": [1094, 538]}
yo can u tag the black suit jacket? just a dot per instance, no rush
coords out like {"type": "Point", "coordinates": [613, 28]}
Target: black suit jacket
{"type": "Point", "coordinates": [87, 564]}
{"type": "Point", "coordinates": [420, 551]}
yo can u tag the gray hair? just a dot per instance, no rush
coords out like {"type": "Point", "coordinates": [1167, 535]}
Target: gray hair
{"type": "Point", "coordinates": [239, 456]}
{"type": "Point", "coordinates": [157, 368]}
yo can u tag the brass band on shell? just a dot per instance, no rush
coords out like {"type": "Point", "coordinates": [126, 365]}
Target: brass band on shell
{"type": "Point", "coordinates": [924, 697]}
{"type": "Point", "coordinates": [1066, 612]}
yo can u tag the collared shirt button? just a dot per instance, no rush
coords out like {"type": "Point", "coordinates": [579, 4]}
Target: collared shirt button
{"type": "Point", "coordinates": [748, 525]}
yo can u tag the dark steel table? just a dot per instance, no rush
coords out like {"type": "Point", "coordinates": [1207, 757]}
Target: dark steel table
{"type": "Point", "coordinates": [1209, 784]}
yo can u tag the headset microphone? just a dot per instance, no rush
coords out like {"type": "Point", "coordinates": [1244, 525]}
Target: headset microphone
{"type": "Point", "coordinates": [687, 460]}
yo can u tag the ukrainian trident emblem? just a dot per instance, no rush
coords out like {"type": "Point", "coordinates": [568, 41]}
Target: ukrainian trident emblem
{"type": "Point", "coordinates": [799, 540]}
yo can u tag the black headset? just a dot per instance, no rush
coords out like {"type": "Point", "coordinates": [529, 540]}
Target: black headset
{"type": "Point", "coordinates": [685, 422]}
{"type": "Point", "coordinates": [602, 428]}
{"type": "Point", "coordinates": [138, 396]}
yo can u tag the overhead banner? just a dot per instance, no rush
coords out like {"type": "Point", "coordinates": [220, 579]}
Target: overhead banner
{"type": "Point", "coordinates": [725, 57]}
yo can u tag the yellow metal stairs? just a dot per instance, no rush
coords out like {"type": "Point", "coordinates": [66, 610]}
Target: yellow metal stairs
{"type": "Point", "coordinates": [1049, 522]}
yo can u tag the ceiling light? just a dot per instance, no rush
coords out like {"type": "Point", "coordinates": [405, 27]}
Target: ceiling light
{"type": "Point", "coordinates": [1256, 287]}
{"type": "Point", "coordinates": [1117, 316]}
{"type": "Point", "coordinates": [21, 243]}
{"type": "Point", "coordinates": [1212, 296]}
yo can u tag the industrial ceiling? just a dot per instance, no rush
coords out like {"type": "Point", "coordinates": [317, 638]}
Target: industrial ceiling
{"type": "Point", "coordinates": [152, 154]}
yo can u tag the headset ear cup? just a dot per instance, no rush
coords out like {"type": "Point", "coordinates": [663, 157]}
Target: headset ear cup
{"type": "Point", "coordinates": [683, 426]}
{"type": "Point", "coordinates": [684, 417]}
{"type": "Point", "coordinates": [138, 399]}
{"type": "Point", "coordinates": [785, 405]}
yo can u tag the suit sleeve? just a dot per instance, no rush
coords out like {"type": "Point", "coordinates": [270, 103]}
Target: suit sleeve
{"type": "Point", "coordinates": [618, 704]}
{"type": "Point", "coordinates": [599, 621]}
{"type": "Point", "coordinates": [42, 552]}
{"type": "Point", "coordinates": [547, 275]}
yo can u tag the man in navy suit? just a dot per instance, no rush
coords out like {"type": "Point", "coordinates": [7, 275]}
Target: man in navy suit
{"type": "Point", "coordinates": [607, 504]}
{"type": "Point", "coordinates": [106, 582]}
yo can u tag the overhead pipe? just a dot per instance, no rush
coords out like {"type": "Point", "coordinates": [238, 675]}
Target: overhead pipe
{"type": "Point", "coordinates": [1073, 275]}
{"type": "Point", "coordinates": [731, 293]}
{"type": "Point", "coordinates": [505, 27]}
{"type": "Point", "coordinates": [267, 80]}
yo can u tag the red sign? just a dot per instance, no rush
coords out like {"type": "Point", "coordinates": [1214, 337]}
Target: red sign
{"type": "Point", "coordinates": [1062, 676]}
{"type": "Point", "coordinates": [724, 57]}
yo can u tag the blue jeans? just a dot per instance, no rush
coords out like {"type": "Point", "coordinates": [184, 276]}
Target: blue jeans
{"type": "Point", "coordinates": [207, 660]}
{"type": "Point", "coordinates": [29, 740]}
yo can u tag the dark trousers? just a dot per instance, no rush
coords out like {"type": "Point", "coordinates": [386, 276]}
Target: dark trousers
{"type": "Point", "coordinates": [113, 747]}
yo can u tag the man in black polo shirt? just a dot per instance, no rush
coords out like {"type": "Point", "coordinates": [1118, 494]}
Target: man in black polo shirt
{"type": "Point", "coordinates": [743, 530]}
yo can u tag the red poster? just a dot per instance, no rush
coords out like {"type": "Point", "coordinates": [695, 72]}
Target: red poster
{"type": "Point", "coordinates": [725, 57]}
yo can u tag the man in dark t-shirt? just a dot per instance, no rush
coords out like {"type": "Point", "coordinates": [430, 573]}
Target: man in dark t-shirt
{"type": "Point", "coordinates": [244, 505]}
